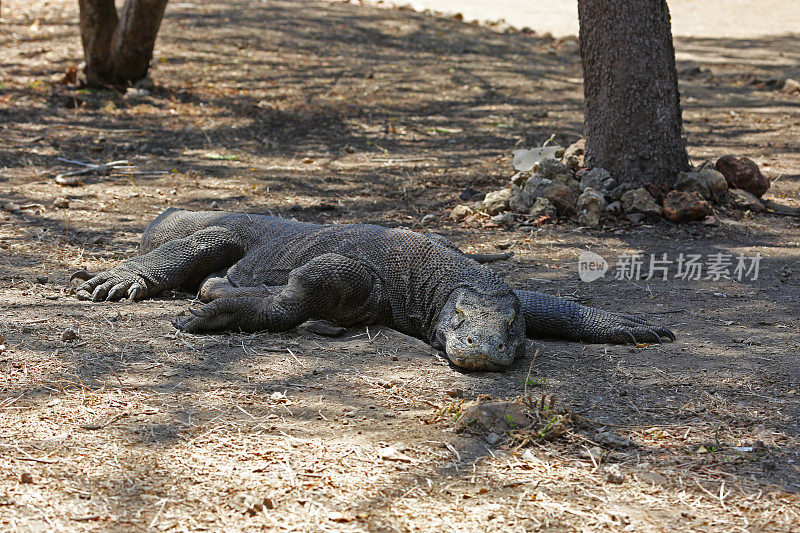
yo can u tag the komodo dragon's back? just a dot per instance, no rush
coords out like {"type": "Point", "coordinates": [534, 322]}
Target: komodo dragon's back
{"type": "Point", "coordinates": [177, 223]}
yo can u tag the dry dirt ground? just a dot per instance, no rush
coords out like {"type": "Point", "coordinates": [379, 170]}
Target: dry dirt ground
{"type": "Point", "coordinates": [338, 113]}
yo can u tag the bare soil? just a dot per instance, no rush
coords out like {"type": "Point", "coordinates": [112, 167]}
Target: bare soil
{"type": "Point", "coordinates": [340, 113]}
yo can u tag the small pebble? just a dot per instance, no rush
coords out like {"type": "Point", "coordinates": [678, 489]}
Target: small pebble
{"type": "Point", "coordinates": [214, 205]}
{"type": "Point", "coordinates": [493, 438]}
{"type": "Point", "coordinates": [69, 334]}
{"type": "Point", "coordinates": [41, 279]}
{"type": "Point", "coordinates": [61, 203]}
{"type": "Point", "coordinates": [26, 477]}
{"type": "Point", "coordinates": [614, 474]}
{"type": "Point", "coordinates": [429, 218]}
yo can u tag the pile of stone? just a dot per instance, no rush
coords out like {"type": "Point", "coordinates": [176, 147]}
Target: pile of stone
{"type": "Point", "coordinates": [551, 182]}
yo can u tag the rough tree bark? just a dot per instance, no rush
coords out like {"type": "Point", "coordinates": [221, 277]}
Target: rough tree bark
{"type": "Point", "coordinates": [118, 48]}
{"type": "Point", "coordinates": [633, 125]}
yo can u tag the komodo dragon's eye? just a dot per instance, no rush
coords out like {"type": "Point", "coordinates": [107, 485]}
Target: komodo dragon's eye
{"type": "Point", "coordinates": [511, 318]}
{"type": "Point", "coordinates": [458, 320]}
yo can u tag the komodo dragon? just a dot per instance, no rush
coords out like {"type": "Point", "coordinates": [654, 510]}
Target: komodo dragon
{"type": "Point", "coordinates": [263, 273]}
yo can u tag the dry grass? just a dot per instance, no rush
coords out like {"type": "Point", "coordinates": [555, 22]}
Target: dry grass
{"type": "Point", "coordinates": [334, 112]}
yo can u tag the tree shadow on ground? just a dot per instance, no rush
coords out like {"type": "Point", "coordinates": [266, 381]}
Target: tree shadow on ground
{"type": "Point", "coordinates": [335, 113]}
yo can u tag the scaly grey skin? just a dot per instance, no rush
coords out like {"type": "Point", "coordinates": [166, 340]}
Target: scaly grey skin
{"type": "Point", "coordinates": [262, 273]}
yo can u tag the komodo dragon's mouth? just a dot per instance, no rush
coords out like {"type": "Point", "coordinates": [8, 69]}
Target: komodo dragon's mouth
{"type": "Point", "coordinates": [475, 363]}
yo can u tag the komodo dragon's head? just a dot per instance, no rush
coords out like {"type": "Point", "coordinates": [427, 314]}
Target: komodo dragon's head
{"type": "Point", "coordinates": [481, 331]}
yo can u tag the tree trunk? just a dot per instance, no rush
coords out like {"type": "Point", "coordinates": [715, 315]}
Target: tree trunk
{"type": "Point", "coordinates": [118, 49]}
{"type": "Point", "coordinates": [633, 125]}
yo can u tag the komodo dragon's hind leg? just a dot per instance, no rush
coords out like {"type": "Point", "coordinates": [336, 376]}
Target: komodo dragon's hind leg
{"type": "Point", "coordinates": [329, 286]}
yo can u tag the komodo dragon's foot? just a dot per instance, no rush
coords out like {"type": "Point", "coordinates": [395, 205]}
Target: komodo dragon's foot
{"type": "Point", "coordinates": [619, 328]}
{"type": "Point", "coordinates": [113, 284]}
{"type": "Point", "coordinates": [223, 314]}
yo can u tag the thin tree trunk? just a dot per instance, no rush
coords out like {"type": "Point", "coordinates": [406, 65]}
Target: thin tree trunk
{"type": "Point", "coordinates": [632, 122]}
{"type": "Point", "coordinates": [118, 49]}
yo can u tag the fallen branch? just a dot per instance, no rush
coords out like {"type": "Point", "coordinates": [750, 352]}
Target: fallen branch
{"type": "Point", "coordinates": [780, 209]}
{"type": "Point", "coordinates": [71, 179]}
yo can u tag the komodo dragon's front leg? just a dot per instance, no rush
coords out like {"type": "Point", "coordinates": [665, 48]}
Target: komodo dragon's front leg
{"type": "Point", "coordinates": [180, 263]}
{"type": "Point", "coordinates": [549, 316]}
{"type": "Point", "coordinates": [330, 286]}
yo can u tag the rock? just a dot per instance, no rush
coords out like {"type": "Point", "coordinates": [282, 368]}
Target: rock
{"type": "Point", "coordinates": [454, 393]}
{"type": "Point", "coordinates": [145, 83]}
{"type": "Point", "coordinates": [214, 205]}
{"type": "Point", "coordinates": [685, 206]}
{"type": "Point", "coordinates": [251, 504]}
{"type": "Point", "coordinates": [636, 218]}
{"type": "Point", "coordinates": [744, 200]}
{"type": "Point", "coordinates": [41, 279]}
{"type": "Point", "coordinates": [504, 220]}
{"type": "Point", "coordinates": [639, 201]}
{"type": "Point", "coordinates": [743, 173]}
{"type": "Point", "coordinates": [655, 192]}
{"type": "Point", "coordinates": [569, 181]}
{"type": "Point", "coordinates": [428, 219]}
{"type": "Point", "coordinates": [791, 86]}
{"type": "Point", "coordinates": [590, 204]}
{"type": "Point", "coordinates": [460, 212]}
{"type": "Point", "coordinates": [470, 194]}
{"type": "Point", "coordinates": [708, 163]}
{"type": "Point", "coordinates": [61, 203]}
{"type": "Point", "coordinates": [493, 438]}
{"type": "Point", "coordinates": [711, 221]}
{"type": "Point", "coordinates": [69, 334]}
{"type": "Point", "coordinates": [528, 455]}
{"type": "Point", "coordinates": [549, 168]}
{"type": "Point", "coordinates": [654, 478]}
{"type": "Point", "coordinates": [614, 474]}
{"type": "Point", "coordinates": [494, 417]}
{"type": "Point", "coordinates": [614, 208]}
{"type": "Point", "coordinates": [715, 181]}
{"type": "Point", "coordinates": [573, 155]}
{"type": "Point", "coordinates": [497, 201]}
{"type": "Point", "coordinates": [692, 182]}
{"type": "Point", "coordinates": [520, 178]}
{"type": "Point", "coordinates": [612, 440]}
{"type": "Point", "coordinates": [523, 198]}
{"type": "Point", "coordinates": [341, 518]}
{"type": "Point", "coordinates": [525, 159]}
{"type": "Point", "coordinates": [598, 179]}
{"type": "Point", "coordinates": [562, 197]}
{"type": "Point", "coordinates": [543, 207]}
{"type": "Point", "coordinates": [595, 452]}
{"type": "Point", "coordinates": [617, 192]}
{"type": "Point", "coordinates": [390, 453]}
{"type": "Point", "coordinates": [26, 477]}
